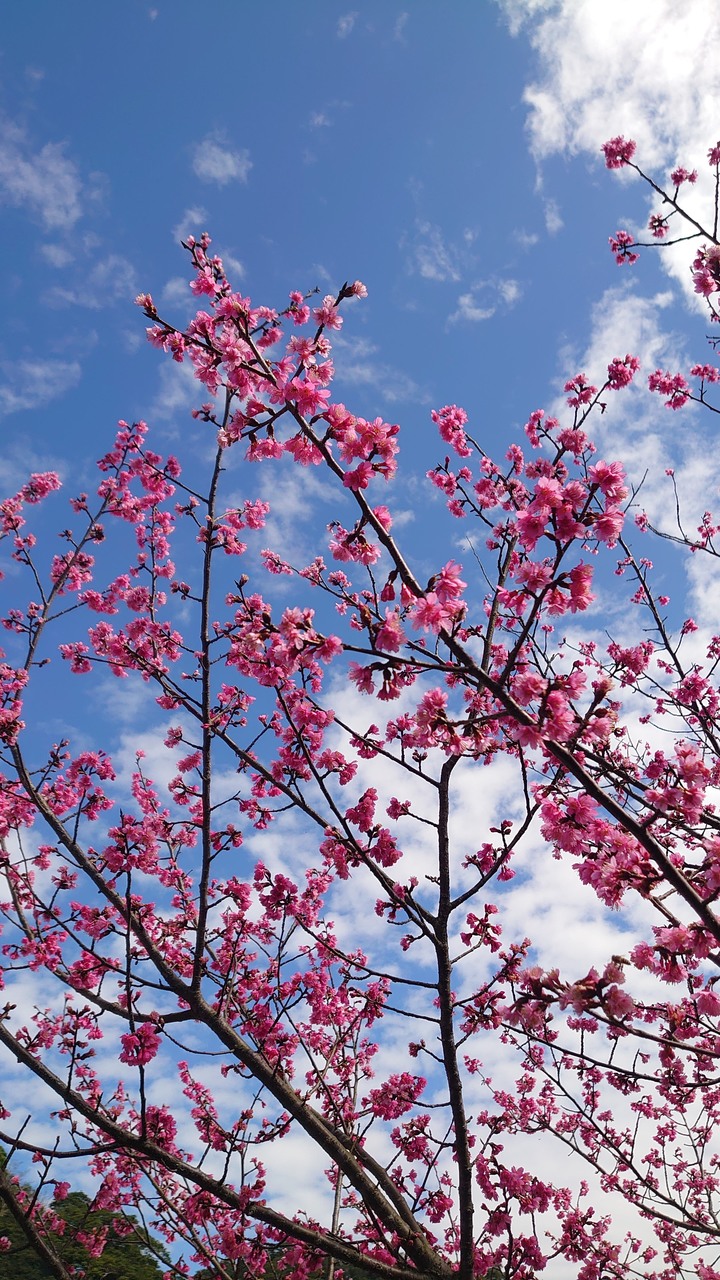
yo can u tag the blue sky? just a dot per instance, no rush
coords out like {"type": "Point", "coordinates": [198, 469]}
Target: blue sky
{"type": "Point", "coordinates": [385, 143]}
{"type": "Point", "coordinates": [418, 148]}
{"type": "Point", "coordinates": [447, 154]}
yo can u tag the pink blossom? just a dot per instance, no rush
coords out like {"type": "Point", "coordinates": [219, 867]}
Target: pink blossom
{"type": "Point", "coordinates": [658, 226]}
{"type": "Point", "coordinates": [448, 584]}
{"type": "Point", "coordinates": [680, 175]}
{"type": "Point", "coordinates": [40, 484]}
{"type": "Point", "coordinates": [621, 372]}
{"type": "Point", "coordinates": [621, 245]}
{"type": "Point", "coordinates": [672, 385]}
{"type": "Point", "coordinates": [140, 1046]}
{"type": "Point", "coordinates": [396, 1096]}
{"type": "Point", "coordinates": [610, 479]}
{"type": "Point", "coordinates": [618, 152]}
{"type": "Point", "coordinates": [450, 421]}
{"type": "Point", "coordinates": [582, 391]}
{"type": "Point", "coordinates": [430, 613]}
{"type": "Point", "coordinates": [390, 636]}
{"type": "Point", "coordinates": [328, 314]}
{"type": "Point", "coordinates": [581, 596]}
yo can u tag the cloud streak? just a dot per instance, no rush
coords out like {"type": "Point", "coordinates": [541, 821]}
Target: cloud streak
{"type": "Point", "coordinates": [346, 24]}
{"type": "Point", "coordinates": [430, 256]}
{"type": "Point", "coordinates": [110, 280]}
{"type": "Point", "coordinates": [483, 300]}
{"type": "Point", "coordinates": [31, 384]}
{"type": "Point", "coordinates": [45, 183]}
{"type": "Point", "coordinates": [660, 82]}
{"type": "Point", "coordinates": [215, 161]}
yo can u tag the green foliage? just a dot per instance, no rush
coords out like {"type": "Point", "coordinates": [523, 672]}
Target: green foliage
{"type": "Point", "coordinates": [125, 1257]}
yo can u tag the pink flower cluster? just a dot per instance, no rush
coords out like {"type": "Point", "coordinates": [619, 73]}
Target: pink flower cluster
{"type": "Point", "coordinates": [618, 152]}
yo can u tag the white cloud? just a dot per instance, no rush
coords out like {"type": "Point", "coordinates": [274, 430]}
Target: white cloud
{"type": "Point", "coordinates": [234, 268]}
{"type": "Point", "coordinates": [637, 427]}
{"type": "Point", "coordinates": [482, 301]}
{"type": "Point", "coordinates": [553, 218]}
{"type": "Point", "coordinates": [191, 223]}
{"type": "Point", "coordinates": [112, 279]}
{"type": "Point", "coordinates": [650, 69]}
{"type": "Point", "coordinates": [431, 257]}
{"type": "Point", "coordinates": [31, 384]}
{"type": "Point", "coordinates": [175, 291]}
{"type": "Point", "coordinates": [178, 393]}
{"type": "Point", "coordinates": [400, 24]}
{"type": "Point", "coordinates": [319, 120]}
{"type": "Point", "coordinates": [509, 291]}
{"type": "Point", "coordinates": [468, 308]}
{"type": "Point", "coordinates": [56, 254]}
{"type": "Point", "coordinates": [658, 83]}
{"type": "Point", "coordinates": [356, 362]}
{"type": "Point", "coordinates": [215, 161]}
{"type": "Point", "coordinates": [45, 182]}
{"type": "Point", "coordinates": [346, 24]}
{"type": "Point", "coordinates": [18, 460]}
{"type": "Point", "coordinates": [518, 12]}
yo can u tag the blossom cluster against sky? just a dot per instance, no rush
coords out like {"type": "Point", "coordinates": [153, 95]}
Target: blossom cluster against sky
{"type": "Point", "coordinates": [447, 155]}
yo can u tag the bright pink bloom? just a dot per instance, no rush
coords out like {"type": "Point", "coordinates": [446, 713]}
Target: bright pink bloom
{"type": "Point", "coordinates": [618, 152]}
{"type": "Point", "coordinates": [621, 245]}
{"type": "Point", "coordinates": [680, 175]}
{"type": "Point", "coordinates": [140, 1046]}
{"type": "Point", "coordinates": [390, 636]}
{"type": "Point", "coordinates": [622, 372]}
{"type": "Point", "coordinates": [672, 385]}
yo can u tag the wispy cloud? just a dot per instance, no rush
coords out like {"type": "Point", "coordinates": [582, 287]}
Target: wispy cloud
{"type": "Point", "coordinates": [356, 363]}
{"type": "Point", "coordinates": [509, 291]}
{"type": "Point", "coordinates": [660, 85]}
{"type": "Point", "coordinates": [56, 254]}
{"type": "Point", "coordinates": [45, 182]}
{"type": "Point", "coordinates": [484, 299]}
{"type": "Point", "coordinates": [175, 291]}
{"type": "Point", "coordinates": [177, 395]}
{"type": "Point", "coordinates": [468, 308]}
{"type": "Point", "coordinates": [400, 24]}
{"type": "Point", "coordinates": [324, 116]}
{"type": "Point", "coordinates": [31, 384]}
{"type": "Point", "coordinates": [214, 160]}
{"type": "Point", "coordinates": [553, 217]}
{"type": "Point", "coordinates": [590, 85]}
{"type": "Point", "coordinates": [111, 280]}
{"type": "Point", "coordinates": [636, 425]}
{"type": "Point", "coordinates": [233, 266]}
{"type": "Point", "coordinates": [346, 24]}
{"type": "Point", "coordinates": [190, 223]}
{"type": "Point", "coordinates": [526, 239]}
{"type": "Point", "coordinates": [430, 256]}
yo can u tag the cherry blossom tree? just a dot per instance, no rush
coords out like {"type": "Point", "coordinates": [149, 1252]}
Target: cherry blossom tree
{"type": "Point", "coordinates": [275, 943]}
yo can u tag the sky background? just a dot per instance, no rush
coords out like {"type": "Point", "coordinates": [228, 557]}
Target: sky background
{"type": "Point", "coordinates": [447, 154]}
